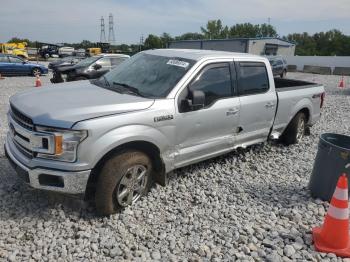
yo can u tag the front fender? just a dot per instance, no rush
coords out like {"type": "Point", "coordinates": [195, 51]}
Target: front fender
{"type": "Point", "coordinates": [98, 145]}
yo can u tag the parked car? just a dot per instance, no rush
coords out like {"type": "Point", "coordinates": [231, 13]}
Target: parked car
{"type": "Point", "coordinates": [13, 65]}
{"type": "Point", "coordinates": [279, 66]}
{"type": "Point", "coordinates": [158, 111]}
{"type": "Point", "coordinates": [88, 68]}
{"type": "Point", "coordinates": [48, 50]}
{"type": "Point", "coordinates": [65, 51]}
{"type": "Point", "coordinates": [65, 61]}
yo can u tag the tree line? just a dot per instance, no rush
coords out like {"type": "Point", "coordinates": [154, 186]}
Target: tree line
{"type": "Point", "coordinates": [329, 43]}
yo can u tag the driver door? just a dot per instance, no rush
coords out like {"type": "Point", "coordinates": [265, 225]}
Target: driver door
{"type": "Point", "coordinates": [208, 131]}
{"type": "Point", "coordinates": [17, 67]}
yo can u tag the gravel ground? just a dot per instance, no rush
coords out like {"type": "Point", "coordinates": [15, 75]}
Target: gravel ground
{"type": "Point", "coordinates": [251, 205]}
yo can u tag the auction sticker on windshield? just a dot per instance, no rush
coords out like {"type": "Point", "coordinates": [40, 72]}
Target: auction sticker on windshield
{"type": "Point", "coordinates": [178, 63]}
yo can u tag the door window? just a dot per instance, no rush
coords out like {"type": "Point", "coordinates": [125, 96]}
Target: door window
{"type": "Point", "coordinates": [215, 82]}
{"type": "Point", "coordinates": [104, 62]}
{"type": "Point", "coordinates": [4, 59]}
{"type": "Point", "coordinates": [15, 60]}
{"type": "Point", "coordinates": [252, 78]}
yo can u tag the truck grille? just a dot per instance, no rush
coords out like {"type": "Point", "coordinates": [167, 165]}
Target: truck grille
{"type": "Point", "coordinates": [21, 119]}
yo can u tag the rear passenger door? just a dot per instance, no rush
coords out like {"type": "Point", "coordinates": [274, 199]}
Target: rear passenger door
{"type": "Point", "coordinates": [258, 102]}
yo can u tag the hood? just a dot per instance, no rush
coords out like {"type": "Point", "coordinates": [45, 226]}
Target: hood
{"type": "Point", "coordinates": [62, 105]}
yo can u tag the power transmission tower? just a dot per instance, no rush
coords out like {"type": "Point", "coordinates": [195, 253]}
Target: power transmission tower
{"type": "Point", "coordinates": [111, 36]}
{"type": "Point", "coordinates": [103, 33]}
{"type": "Point", "coordinates": [141, 43]}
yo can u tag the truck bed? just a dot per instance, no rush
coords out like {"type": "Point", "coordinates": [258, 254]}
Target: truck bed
{"type": "Point", "coordinates": [293, 95]}
{"type": "Point", "coordinates": [283, 84]}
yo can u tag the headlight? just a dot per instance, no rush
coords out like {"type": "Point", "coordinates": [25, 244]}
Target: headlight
{"type": "Point", "coordinates": [65, 143]}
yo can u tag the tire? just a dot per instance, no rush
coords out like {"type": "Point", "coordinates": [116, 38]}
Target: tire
{"type": "Point", "coordinates": [284, 74]}
{"type": "Point", "coordinates": [117, 185]}
{"type": "Point", "coordinates": [36, 71]}
{"type": "Point", "coordinates": [47, 56]}
{"type": "Point", "coordinates": [295, 130]}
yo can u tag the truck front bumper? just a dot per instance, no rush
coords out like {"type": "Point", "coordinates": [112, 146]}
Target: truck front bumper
{"type": "Point", "coordinates": [68, 182]}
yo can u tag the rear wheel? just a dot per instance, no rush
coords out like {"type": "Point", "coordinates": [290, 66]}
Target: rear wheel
{"type": "Point", "coordinates": [36, 71]}
{"type": "Point", "coordinates": [123, 180]}
{"type": "Point", "coordinates": [295, 131]}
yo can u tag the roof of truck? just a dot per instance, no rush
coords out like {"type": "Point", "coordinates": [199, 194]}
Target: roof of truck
{"type": "Point", "coordinates": [196, 54]}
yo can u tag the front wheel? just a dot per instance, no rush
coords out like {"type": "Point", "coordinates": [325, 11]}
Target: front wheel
{"type": "Point", "coordinates": [295, 131]}
{"type": "Point", "coordinates": [123, 180]}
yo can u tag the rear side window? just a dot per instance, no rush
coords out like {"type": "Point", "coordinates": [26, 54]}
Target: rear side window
{"type": "Point", "coordinates": [252, 78]}
{"type": "Point", "coordinates": [215, 82]}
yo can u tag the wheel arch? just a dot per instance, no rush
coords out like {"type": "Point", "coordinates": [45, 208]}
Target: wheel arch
{"type": "Point", "coordinates": [149, 148]}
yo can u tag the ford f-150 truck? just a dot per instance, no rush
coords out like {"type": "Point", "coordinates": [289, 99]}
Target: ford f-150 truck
{"type": "Point", "coordinates": [111, 137]}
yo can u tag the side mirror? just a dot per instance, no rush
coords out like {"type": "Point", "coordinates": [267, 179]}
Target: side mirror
{"type": "Point", "coordinates": [97, 66]}
{"type": "Point", "coordinates": [195, 100]}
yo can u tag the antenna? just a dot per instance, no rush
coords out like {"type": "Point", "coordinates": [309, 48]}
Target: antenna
{"type": "Point", "coordinates": [103, 33]}
{"type": "Point", "coordinates": [111, 37]}
{"type": "Point", "coordinates": [269, 20]}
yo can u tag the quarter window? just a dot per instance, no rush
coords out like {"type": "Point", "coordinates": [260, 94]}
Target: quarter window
{"type": "Point", "coordinates": [252, 78]}
{"type": "Point", "coordinates": [215, 82]}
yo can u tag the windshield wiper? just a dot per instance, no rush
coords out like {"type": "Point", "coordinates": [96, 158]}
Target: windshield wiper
{"type": "Point", "coordinates": [129, 89]}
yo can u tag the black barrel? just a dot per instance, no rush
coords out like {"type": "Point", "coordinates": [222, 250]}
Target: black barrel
{"type": "Point", "coordinates": [332, 157]}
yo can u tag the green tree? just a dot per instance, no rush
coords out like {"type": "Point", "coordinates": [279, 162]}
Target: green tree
{"type": "Point", "coordinates": [214, 30]}
{"type": "Point", "coordinates": [267, 30]}
{"type": "Point", "coordinates": [153, 41]}
{"type": "Point", "coordinates": [244, 30]}
{"type": "Point", "coordinates": [166, 38]}
{"type": "Point", "coordinates": [190, 36]}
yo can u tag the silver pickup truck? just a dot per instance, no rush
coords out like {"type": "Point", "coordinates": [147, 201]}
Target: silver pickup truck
{"type": "Point", "coordinates": [112, 137]}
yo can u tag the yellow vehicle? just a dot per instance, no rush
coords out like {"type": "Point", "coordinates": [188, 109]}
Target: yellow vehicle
{"type": "Point", "coordinates": [18, 49]}
{"type": "Point", "coordinates": [94, 51]}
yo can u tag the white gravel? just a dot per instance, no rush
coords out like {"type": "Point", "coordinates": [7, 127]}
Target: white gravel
{"type": "Point", "coordinates": [251, 205]}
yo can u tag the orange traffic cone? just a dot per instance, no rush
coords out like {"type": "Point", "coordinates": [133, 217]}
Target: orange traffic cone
{"type": "Point", "coordinates": [333, 236]}
{"type": "Point", "coordinates": [342, 83]}
{"type": "Point", "coordinates": [37, 81]}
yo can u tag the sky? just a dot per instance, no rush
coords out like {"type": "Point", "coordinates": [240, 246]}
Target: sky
{"type": "Point", "coordinates": [75, 20]}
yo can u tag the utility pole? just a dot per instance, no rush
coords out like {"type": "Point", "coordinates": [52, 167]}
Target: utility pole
{"type": "Point", "coordinates": [111, 36]}
{"type": "Point", "coordinates": [103, 33]}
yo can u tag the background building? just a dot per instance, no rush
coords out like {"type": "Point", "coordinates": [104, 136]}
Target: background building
{"type": "Point", "coordinates": [257, 46]}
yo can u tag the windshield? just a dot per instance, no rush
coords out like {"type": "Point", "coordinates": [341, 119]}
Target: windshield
{"type": "Point", "coordinates": [148, 75]}
{"type": "Point", "coordinates": [88, 61]}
